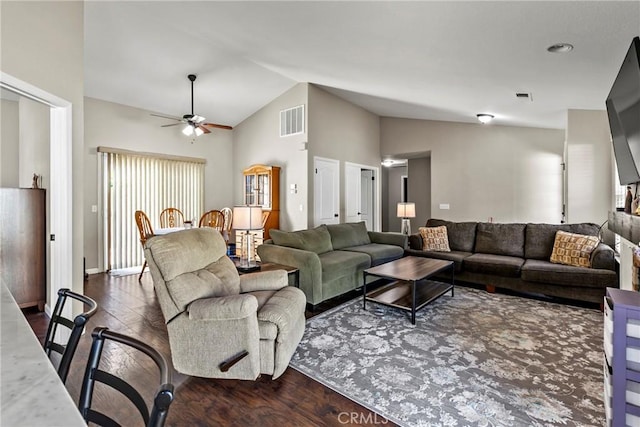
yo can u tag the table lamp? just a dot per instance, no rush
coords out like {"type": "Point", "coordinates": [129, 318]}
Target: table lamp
{"type": "Point", "coordinates": [246, 219]}
{"type": "Point", "coordinates": [406, 210]}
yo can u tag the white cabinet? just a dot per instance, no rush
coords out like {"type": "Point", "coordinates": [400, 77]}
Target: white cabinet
{"type": "Point", "coordinates": [622, 358]}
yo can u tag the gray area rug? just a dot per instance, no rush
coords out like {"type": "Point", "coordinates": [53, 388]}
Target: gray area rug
{"type": "Point", "coordinates": [476, 359]}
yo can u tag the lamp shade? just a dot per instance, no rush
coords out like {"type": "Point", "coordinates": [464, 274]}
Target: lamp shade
{"type": "Point", "coordinates": [247, 218]}
{"type": "Point", "coordinates": [406, 210]}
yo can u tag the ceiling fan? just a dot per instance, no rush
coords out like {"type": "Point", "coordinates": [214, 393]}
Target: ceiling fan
{"type": "Point", "coordinates": [194, 125]}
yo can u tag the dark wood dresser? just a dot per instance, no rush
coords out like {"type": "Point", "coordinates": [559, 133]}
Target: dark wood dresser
{"type": "Point", "coordinates": [23, 253]}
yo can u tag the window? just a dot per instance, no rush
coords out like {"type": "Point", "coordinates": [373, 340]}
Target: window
{"type": "Point", "coordinates": [150, 183]}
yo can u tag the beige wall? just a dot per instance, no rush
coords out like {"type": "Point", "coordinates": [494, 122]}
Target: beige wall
{"type": "Point", "coordinates": [42, 43]}
{"type": "Point", "coordinates": [342, 131]}
{"type": "Point", "coordinates": [257, 141]}
{"type": "Point", "coordinates": [391, 195]}
{"type": "Point", "coordinates": [119, 126]}
{"type": "Point", "coordinates": [498, 172]}
{"type": "Point", "coordinates": [35, 135]}
{"type": "Point", "coordinates": [9, 137]}
{"type": "Point", "coordinates": [590, 179]}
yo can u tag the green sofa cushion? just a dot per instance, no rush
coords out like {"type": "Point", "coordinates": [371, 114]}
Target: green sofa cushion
{"type": "Point", "coordinates": [317, 240]}
{"type": "Point", "coordinates": [348, 234]}
{"type": "Point", "coordinates": [378, 252]}
{"type": "Point", "coordinates": [337, 264]}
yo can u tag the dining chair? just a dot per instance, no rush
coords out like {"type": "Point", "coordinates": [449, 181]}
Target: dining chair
{"type": "Point", "coordinates": [76, 326]}
{"type": "Point", "coordinates": [171, 218]}
{"type": "Point", "coordinates": [146, 231]}
{"type": "Point", "coordinates": [115, 378]}
{"type": "Point", "coordinates": [214, 219]}
{"type": "Point", "coordinates": [228, 221]}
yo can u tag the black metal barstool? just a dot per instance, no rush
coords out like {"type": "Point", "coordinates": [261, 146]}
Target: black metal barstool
{"type": "Point", "coordinates": [76, 326]}
{"type": "Point", "coordinates": [161, 401]}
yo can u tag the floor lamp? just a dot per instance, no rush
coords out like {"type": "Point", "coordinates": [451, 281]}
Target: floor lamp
{"type": "Point", "coordinates": [406, 210]}
{"type": "Point", "coordinates": [247, 219]}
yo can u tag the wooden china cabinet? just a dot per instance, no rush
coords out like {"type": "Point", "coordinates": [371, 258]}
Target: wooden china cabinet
{"type": "Point", "coordinates": [261, 187]}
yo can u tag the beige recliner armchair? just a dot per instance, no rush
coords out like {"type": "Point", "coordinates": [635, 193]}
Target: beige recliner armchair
{"type": "Point", "coordinates": [214, 316]}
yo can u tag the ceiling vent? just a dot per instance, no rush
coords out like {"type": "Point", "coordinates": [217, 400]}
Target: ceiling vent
{"type": "Point", "coordinates": [292, 121]}
{"type": "Point", "coordinates": [524, 96]}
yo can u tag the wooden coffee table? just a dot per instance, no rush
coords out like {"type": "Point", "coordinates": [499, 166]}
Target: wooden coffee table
{"type": "Point", "coordinates": [410, 290]}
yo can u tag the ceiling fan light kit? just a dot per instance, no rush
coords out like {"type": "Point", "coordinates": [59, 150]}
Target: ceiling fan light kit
{"type": "Point", "coordinates": [484, 118]}
{"type": "Point", "coordinates": [194, 124]}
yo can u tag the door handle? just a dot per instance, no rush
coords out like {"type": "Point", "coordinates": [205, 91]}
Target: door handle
{"type": "Point", "coordinates": [359, 213]}
{"type": "Point", "coordinates": [335, 215]}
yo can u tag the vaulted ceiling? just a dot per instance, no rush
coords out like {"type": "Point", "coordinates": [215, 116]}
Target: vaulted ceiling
{"type": "Point", "coordinates": [438, 60]}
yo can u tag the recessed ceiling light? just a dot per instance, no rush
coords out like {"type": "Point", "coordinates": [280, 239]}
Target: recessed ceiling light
{"type": "Point", "coordinates": [560, 48]}
{"type": "Point", "coordinates": [484, 118]}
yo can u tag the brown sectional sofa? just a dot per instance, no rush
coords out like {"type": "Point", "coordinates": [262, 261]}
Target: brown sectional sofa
{"type": "Point", "coordinates": [516, 256]}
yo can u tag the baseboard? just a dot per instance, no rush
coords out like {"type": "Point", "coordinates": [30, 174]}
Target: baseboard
{"type": "Point", "coordinates": [93, 271]}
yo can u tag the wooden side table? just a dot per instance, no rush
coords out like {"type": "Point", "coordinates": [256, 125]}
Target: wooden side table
{"type": "Point", "coordinates": [270, 266]}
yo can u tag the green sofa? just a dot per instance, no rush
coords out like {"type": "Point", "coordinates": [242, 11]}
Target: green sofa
{"type": "Point", "coordinates": [331, 258]}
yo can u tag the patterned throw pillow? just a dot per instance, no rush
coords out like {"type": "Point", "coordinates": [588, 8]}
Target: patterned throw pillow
{"type": "Point", "coordinates": [434, 239]}
{"type": "Point", "coordinates": [573, 249]}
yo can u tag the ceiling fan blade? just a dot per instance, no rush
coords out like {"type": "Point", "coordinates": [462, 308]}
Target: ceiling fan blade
{"type": "Point", "coordinates": [204, 129]}
{"type": "Point", "coordinates": [171, 124]}
{"type": "Point", "coordinates": [167, 117]}
{"type": "Point", "coordinates": [215, 125]}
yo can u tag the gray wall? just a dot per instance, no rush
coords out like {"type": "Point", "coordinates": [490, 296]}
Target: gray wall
{"type": "Point", "coordinates": [9, 137]}
{"type": "Point", "coordinates": [119, 126]}
{"type": "Point", "coordinates": [257, 141]}
{"type": "Point", "coordinates": [484, 171]}
{"type": "Point", "coordinates": [342, 131]}
{"type": "Point", "coordinates": [419, 189]}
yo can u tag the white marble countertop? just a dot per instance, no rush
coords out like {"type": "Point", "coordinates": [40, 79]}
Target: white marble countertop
{"type": "Point", "coordinates": [31, 393]}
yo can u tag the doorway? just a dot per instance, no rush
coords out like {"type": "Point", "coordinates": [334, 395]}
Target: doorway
{"type": "Point", "coordinates": [60, 268]}
{"type": "Point", "coordinates": [361, 194]}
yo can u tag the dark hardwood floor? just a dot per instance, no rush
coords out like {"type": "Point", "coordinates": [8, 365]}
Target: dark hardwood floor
{"type": "Point", "coordinates": [130, 307]}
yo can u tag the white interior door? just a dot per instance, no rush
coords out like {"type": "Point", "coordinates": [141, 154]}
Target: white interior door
{"type": "Point", "coordinates": [352, 187]}
{"type": "Point", "coordinates": [326, 196]}
{"type": "Point", "coordinates": [366, 198]}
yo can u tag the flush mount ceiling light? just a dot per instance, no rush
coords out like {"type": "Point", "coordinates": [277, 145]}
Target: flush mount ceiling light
{"type": "Point", "coordinates": [387, 162]}
{"type": "Point", "coordinates": [560, 48]}
{"type": "Point", "coordinates": [484, 118]}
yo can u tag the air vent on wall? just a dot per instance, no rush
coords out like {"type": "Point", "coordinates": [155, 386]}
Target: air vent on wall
{"type": "Point", "coordinates": [292, 121]}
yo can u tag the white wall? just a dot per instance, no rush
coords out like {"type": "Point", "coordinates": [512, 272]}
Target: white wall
{"type": "Point", "coordinates": [9, 137]}
{"type": "Point", "coordinates": [119, 126]}
{"type": "Point", "coordinates": [484, 171]}
{"type": "Point", "coordinates": [42, 43]}
{"type": "Point", "coordinates": [342, 131]}
{"type": "Point", "coordinates": [257, 141]}
{"type": "Point", "coordinates": [590, 178]}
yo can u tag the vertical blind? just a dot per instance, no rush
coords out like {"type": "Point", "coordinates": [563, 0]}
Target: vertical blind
{"type": "Point", "coordinates": [140, 181]}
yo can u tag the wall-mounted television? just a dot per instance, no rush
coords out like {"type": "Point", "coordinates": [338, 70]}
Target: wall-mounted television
{"type": "Point", "coordinates": [623, 109]}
